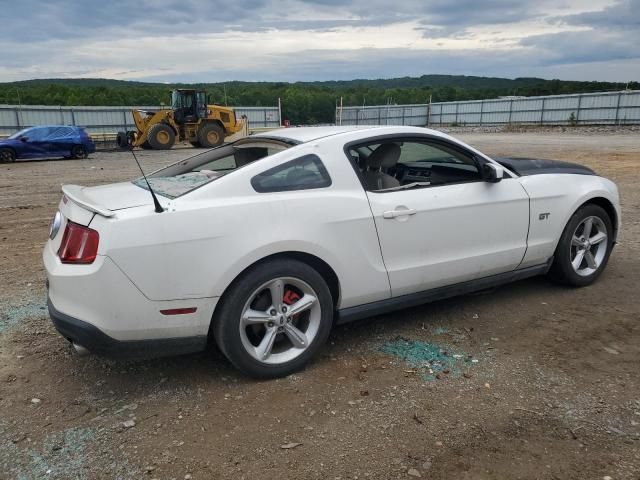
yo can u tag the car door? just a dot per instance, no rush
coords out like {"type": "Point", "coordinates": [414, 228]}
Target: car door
{"type": "Point", "coordinates": [451, 226]}
{"type": "Point", "coordinates": [61, 140]}
{"type": "Point", "coordinates": [37, 145]}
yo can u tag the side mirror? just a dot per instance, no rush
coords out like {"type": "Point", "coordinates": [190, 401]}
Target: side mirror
{"type": "Point", "coordinates": [492, 173]}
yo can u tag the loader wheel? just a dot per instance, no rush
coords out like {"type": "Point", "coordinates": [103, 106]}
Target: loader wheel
{"type": "Point", "coordinates": [161, 137]}
{"type": "Point", "coordinates": [146, 146]}
{"type": "Point", "coordinates": [210, 135]}
{"type": "Point", "coordinates": [195, 144]}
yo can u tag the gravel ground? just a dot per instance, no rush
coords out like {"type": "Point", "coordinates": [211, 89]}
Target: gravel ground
{"type": "Point", "coordinates": [530, 380]}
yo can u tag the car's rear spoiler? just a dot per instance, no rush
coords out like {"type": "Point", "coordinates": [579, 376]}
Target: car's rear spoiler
{"type": "Point", "coordinates": [75, 194]}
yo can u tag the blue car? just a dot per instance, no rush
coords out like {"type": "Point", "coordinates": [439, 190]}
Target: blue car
{"type": "Point", "coordinates": [49, 141]}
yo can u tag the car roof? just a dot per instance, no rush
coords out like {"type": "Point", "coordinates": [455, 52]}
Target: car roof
{"type": "Point", "coordinates": [308, 134]}
{"type": "Point", "coordinates": [53, 126]}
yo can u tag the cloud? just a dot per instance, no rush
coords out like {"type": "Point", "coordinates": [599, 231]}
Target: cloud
{"type": "Point", "coordinates": [581, 47]}
{"type": "Point", "coordinates": [623, 14]}
{"type": "Point", "coordinates": [610, 34]}
{"type": "Point", "coordinates": [200, 40]}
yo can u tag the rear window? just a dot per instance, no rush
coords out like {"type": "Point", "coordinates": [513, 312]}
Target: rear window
{"type": "Point", "coordinates": [186, 175]}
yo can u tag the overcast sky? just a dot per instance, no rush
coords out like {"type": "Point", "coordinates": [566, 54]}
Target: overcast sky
{"type": "Point", "coordinates": [289, 40]}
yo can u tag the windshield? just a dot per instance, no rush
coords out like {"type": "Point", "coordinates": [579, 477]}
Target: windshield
{"type": "Point", "coordinates": [191, 173]}
{"type": "Point", "coordinates": [20, 133]}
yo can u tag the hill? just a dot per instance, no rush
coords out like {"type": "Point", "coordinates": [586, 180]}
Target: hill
{"type": "Point", "coordinates": [302, 102]}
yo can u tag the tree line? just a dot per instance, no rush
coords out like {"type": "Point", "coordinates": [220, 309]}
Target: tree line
{"type": "Point", "coordinates": [302, 102]}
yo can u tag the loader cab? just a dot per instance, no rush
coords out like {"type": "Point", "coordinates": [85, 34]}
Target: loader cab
{"type": "Point", "coordinates": [188, 106]}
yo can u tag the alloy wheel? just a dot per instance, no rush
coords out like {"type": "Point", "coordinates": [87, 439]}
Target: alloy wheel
{"type": "Point", "coordinates": [6, 156]}
{"type": "Point", "coordinates": [280, 320]}
{"type": "Point", "coordinates": [588, 246]}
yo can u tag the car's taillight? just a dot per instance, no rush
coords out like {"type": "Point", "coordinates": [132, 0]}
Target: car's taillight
{"type": "Point", "coordinates": [79, 244]}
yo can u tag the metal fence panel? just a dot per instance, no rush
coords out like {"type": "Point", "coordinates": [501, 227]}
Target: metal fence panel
{"type": "Point", "coordinates": [105, 120]}
{"type": "Point", "coordinates": [8, 118]}
{"type": "Point", "coordinates": [266, 117]}
{"type": "Point", "coordinates": [630, 99]}
{"type": "Point", "coordinates": [495, 117]}
{"type": "Point", "coordinates": [588, 108]}
{"type": "Point", "coordinates": [497, 106]}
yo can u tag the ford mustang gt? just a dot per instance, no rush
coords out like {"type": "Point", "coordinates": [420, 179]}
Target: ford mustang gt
{"type": "Point", "coordinates": [262, 245]}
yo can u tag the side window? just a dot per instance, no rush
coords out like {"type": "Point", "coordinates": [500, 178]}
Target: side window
{"type": "Point", "coordinates": [37, 134]}
{"type": "Point", "coordinates": [300, 174]}
{"type": "Point", "coordinates": [443, 163]}
{"type": "Point", "coordinates": [397, 163]}
{"type": "Point", "coordinates": [59, 133]}
{"type": "Point", "coordinates": [223, 163]}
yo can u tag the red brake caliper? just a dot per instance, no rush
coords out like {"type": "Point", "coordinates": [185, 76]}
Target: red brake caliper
{"type": "Point", "coordinates": [290, 297]}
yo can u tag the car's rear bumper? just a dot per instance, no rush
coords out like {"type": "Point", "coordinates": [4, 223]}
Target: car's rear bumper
{"type": "Point", "coordinates": [96, 341]}
{"type": "Point", "coordinates": [97, 307]}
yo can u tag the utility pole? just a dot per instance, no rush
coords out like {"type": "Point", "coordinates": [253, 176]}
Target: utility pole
{"type": "Point", "coordinates": [279, 112]}
{"type": "Point", "coordinates": [19, 107]}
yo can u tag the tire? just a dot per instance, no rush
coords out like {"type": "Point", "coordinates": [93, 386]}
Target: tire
{"type": "Point", "coordinates": [245, 341]}
{"type": "Point", "coordinates": [580, 258]}
{"type": "Point", "coordinates": [78, 152]}
{"type": "Point", "coordinates": [122, 140]}
{"type": "Point", "coordinates": [145, 146]}
{"type": "Point", "coordinates": [161, 137]}
{"type": "Point", "coordinates": [195, 144]}
{"type": "Point", "coordinates": [7, 155]}
{"type": "Point", "coordinates": [210, 135]}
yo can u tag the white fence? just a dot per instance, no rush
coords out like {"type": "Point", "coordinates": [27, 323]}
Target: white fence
{"type": "Point", "coordinates": [106, 120]}
{"type": "Point", "coordinates": [613, 108]}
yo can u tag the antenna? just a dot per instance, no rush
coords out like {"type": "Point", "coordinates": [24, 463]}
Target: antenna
{"type": "Point", "coordinates": [159, 208]}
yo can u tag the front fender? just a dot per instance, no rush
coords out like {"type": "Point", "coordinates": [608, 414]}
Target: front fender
{"type": "Point", "coordinates": [554, 199]}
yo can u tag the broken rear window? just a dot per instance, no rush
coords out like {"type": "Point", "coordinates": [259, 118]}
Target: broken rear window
{"type": "Point", "coordinates": [187, 175]}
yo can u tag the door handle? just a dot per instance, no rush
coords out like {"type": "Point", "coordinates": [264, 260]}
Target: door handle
{"type": "Point", "coordinates": [399, 213]}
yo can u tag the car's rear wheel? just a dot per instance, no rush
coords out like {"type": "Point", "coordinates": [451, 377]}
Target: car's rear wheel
{"type": "Point", "coordinates": [78, 151]}
{"type": "Point", "coordinates": [584, 247]}
{"type": "Point", "coordinates": [274, 318]}
{"type": "Point", "coordinates": [7, 155]}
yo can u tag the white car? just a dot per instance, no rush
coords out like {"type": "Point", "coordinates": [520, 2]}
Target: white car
{"type": "Point", "coordinates": [264, 244]}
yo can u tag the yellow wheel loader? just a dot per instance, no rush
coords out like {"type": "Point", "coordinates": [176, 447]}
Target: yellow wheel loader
{"type": "Point", "coordinates": [189, 119]}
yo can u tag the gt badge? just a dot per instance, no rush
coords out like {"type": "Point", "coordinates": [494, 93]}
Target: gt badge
{"type": "Point", "coordinates": [543, 216]}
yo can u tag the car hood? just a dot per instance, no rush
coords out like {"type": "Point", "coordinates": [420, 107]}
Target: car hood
{"type": "Point", "coordinates": [5, 142]}
{"type": "Point", "coordinates": [537, 166]}
{"type": "Point", "coordinates": [116, 196]}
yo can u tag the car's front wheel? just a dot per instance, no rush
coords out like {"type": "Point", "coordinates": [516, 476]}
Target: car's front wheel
{"type": "Point", "coordinates": [584, 247]}
{"type": "Point", "coordinates": [7, 155]}
{"type": "Point", "coordinates": [274, 318]}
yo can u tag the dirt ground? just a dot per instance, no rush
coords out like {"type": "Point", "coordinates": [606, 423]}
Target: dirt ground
{"type": "Point", "coordinates": [531, 380]}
